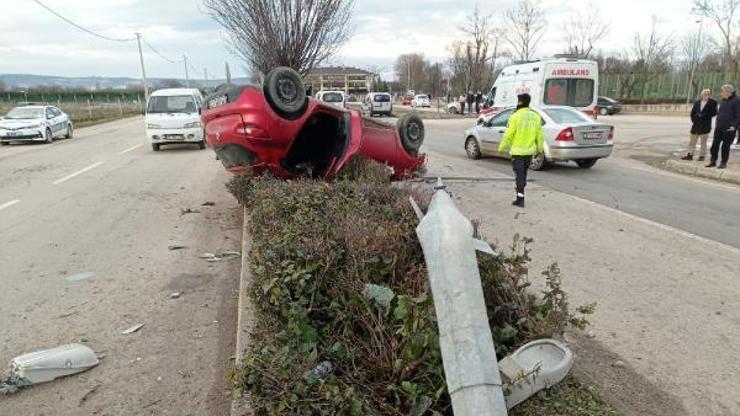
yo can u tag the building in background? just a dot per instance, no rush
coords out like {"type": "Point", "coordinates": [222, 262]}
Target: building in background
{"type": "Point", "coordinates": [352, 81]}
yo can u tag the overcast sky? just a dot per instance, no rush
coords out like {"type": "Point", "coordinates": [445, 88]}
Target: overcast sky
{"type": "Point", "coordinates": [35, 41]}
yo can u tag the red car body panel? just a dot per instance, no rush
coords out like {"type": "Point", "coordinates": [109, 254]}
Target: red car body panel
{"type": "Point", "coordinates": [247, 134]}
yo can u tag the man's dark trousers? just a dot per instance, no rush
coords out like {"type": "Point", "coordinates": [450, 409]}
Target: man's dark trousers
{"type": "Point", "coordinates": [521, 167]}
{"type": "Point", "coordinates": [723, 138]}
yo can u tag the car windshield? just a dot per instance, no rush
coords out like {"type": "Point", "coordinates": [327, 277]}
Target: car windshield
{"type": "Point", "coordinates": [172, 104]}
{"type": "Point", "coordinates": [382, 98]}
{"type": "Point", "coordinates": [567, 116]}
{"type": "Point", "coordinates": [25, 113]}
{"type": "Point", "coordinates": [333, 97]}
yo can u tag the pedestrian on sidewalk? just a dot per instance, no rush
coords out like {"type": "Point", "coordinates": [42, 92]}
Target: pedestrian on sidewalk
{"type": "Point", "coordinates": [704, 110]}
{"type": "Point", "coordinates": [523, 139]}
{"type": "Point", "coordinates": [728, 120]}
{"type": "Point", "coordinates": [471, 100]}
{"type": "Point", "coordinates": [461, 100]}
{"type": "Point", "coordinates": [478, 101]}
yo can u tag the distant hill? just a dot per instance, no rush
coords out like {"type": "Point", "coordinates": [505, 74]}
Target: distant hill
{"type": "Point", "coordinates": [19, 81]}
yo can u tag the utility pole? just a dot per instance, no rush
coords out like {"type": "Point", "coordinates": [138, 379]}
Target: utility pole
{"type": "Point", "coordinates": [695, 46]}
{"type": "Point", "coordinates": [143, 70]}
{"type": "Point", "coordinates": [205, 71]}
{"type": "Point", "coordinates": [187, 76]}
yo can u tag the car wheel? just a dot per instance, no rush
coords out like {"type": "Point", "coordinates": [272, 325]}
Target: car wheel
{"type": "Point", "coordinates": [538, 162]}
{"type": "Point", "coordinates": [70, 132]}
{"type": "Point", "coordinates": [286, 94]}
{"type": "Point", "coordinates": [155, 147]}
{"type": "Point", "coordinates": [411, 131]}
{"type": "Point", "coordinates": [4, 143]}
{"type": "Point", "coordinates": [472, 148]}
{"type": "Point", "coordinates": [586, 163]}
{"type": "Point", "coordinates": [452, 110]}
{"type": "Point", "coordinates": [49, 137]}
{"type": "Point", "coordinates": [202, 144]}
{"type": "Point", "coordinates": [604, 112]}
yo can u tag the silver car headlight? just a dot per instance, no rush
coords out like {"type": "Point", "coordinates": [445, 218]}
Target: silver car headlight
{"type": "Point", "coordinates": [153, 126]}
{"type": "Point", "coordinates": [193, 125]}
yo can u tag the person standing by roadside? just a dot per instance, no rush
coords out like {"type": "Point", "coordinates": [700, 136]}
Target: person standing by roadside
{"type": "Point", "coordinates": [523, 139]}
{"type": "Point", "coordinates": [461, 100]}
{"type": "Point", "coordinates": [728, 120]}
{"type": "Point", "coordinates": [478, 101]}
{"type": "Point", "coordinates": [471, 100]}
{"type": "Point", "coordinates": [704, 110]}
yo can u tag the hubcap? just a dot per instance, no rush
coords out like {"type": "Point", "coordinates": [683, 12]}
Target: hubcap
{"type": "Point", "coordinates": [472, 148]}
{"type": "Point", "coordinates": [413, 132]}
{"type": "Point", "coordinates": [287, 90]}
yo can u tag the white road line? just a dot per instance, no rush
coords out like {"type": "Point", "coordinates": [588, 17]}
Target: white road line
{"type": "Point", "coordinates": [78, 173]}
{"type": "Point", "coordinates": [9, 204]}
{"type": "Point", "coordinates": [131, 149]}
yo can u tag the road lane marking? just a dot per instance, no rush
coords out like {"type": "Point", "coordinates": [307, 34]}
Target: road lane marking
{"type": "Point", "coordinates": [9, 204]}
{"type": "Point", "coordinates": [78, 173]}
{"type": "Point", "coordinates": [131, 149]}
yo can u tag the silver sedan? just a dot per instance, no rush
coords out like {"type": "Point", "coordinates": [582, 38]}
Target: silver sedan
{"type": "Point", "coordinates": [569, 136]}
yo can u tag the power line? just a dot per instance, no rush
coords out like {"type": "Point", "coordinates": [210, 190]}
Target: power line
{"type": "Point", "coordinates": [84, 29]}
{"type": "Point", "coordinates": [149, 45]}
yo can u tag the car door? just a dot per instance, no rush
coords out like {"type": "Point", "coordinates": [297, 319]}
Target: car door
{"type": "Point", "coordinates": [50, 122]}
{"type": "Point", "coordinates": [492, 132]}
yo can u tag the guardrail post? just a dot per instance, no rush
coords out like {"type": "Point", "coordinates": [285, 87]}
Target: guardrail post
{"type": "Point", "coordinates": [466, 342]}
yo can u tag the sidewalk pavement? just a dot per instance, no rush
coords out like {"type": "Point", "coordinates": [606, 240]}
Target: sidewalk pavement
{"type": "Point", "coordinates": [696, 168]}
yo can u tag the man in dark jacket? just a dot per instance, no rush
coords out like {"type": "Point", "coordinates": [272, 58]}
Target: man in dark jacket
{"type": "Point", "coordinates": [728, 120]}
{"type": "Point", "coordinates": [478, 101]}
{"type": "Point", "coordinates": [471, 101]}
{"type": "Point", "coordinates": [702, 114]}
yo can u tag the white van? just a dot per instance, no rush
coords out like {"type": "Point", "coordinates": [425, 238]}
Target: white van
{"type": "Point", "coordinates": [380, 103]}
{"type": "Point", "coordinates": [173, 116]}
{"type": "Point", "coordinates": [556, 81]}
{"type": "Point", "coordinates": [335, 98]}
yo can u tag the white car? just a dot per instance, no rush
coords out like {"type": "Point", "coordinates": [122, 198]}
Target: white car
{"type": "Point", "coordinates": [380, 103]}
{"type": "Point", "coordinates": [570, 135]}
{"type": "Point", "coordinates": [173, 116]}
{"type": "Point", "coordinates": [421, 100]}
{"type": "Point", "coordinates": [335, 98]}
{"type": "Point", "coordinates": [35, 123]}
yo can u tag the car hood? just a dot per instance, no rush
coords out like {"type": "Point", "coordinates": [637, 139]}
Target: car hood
{"type": "Point", "coordinates": [18, 124]}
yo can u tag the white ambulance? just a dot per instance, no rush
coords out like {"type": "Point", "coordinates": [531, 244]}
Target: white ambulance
{"type": "Point", "coordinates": [555, 81]}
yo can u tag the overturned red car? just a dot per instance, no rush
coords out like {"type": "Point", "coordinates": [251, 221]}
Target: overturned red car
{"type": "Point", "coordinates": [278, 128]}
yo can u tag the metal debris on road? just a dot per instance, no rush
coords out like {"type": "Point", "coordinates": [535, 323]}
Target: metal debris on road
{"type": "Point", "coordinates": [133, 329]}
{"type": "Point", "coordinates": [81, 277]}
{"type": "Point", "coordinates": [176, 247]}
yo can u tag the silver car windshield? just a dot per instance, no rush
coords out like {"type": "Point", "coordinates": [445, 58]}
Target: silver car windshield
{"type": "Point", "coordinates": [567, 116]}
{"type": "Point", "coordinates": [24, 113]}
{"type": "Point", "coordinates": [172, 104]}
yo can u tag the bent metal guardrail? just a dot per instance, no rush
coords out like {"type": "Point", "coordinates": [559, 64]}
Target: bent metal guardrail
{"type": "Point", "coordinates": [465, 339]}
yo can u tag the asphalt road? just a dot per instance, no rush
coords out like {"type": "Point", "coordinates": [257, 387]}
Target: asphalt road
{"type": "Point", "coordinates": [104, 203]}
{"type": "Point", "coordinates": [626, 181]}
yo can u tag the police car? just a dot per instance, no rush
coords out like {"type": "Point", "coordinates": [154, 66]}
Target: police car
{"type": "Point", "coordinates": [35, 123]}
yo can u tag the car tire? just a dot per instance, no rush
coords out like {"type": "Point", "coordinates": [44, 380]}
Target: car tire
{"type": "Point", "coordinates": [49, 136]}
{"type": "Point", "coordinates": [411, 131]}
{"type": "Point", "coordinates": [286, 94]}
{"type": "Point", "coordinates": [472, 148]}
{"type": "Point", "coordinates": [155, 147]}
{"type": "Point", "coordinates": [202, 144]}
{"type": "Point", "coordinates": [539, 162]}
{"type": "Point", "coordinates": [586, 163]}
{"type": "Point", "coordinates": [604, 112]}
{"type": "Point", "coordinates": [4, 143]}
{"type": "Point", "coordinates": [452, 110]}
{"type": "Point", "coordinates": [70, 132]}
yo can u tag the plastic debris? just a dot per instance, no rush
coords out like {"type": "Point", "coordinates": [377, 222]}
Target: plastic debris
{"type": "Point", "coordinates": [133, 329]}
{"type": "Point", "coordinates": [320, 371]}
{"type": "Point", "coordinates": [220, 255]}
{"type": "Point", "coordinates": [47, 365]}
{"type": "Point", "coordinates": [382, 296]}
{"type": "Point", "coordinates": [81, 277]}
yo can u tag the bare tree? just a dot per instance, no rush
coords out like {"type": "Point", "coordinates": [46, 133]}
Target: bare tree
{"type": "Point", "coordinates": [584, 29]}
{"type": "Point", "coordinates": [300, 34]}
{"type": "Point", "coordinates": [722, 14]}
{"type": "Point", "coordinates": [477, 43]}
{"type": "Point", "coordinates": [695, 49]}
{"type": "Point", "coordinates": [527, 27]}
{"type": "Point", "coordinates": [3, 86]}
{"type": "Point", "coordinates": [410, 70]}
{"type": "Point", "coordinates": [652, 53]}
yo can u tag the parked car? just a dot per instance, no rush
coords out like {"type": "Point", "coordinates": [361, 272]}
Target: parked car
{"type": "Point", "coordinates": [335, 98]}
{"type": "Point", "coordinates": [570, 135]}
{"type": "Point", "coordinates": [276, 127]}
{"type": "Point", "coordinates": [406, 99]}
{"type": "Point", "coordinates": [422, 101]}
{"type": "Point", "coordinates": [379, 103]}
{"type": "Point", "coordinates": [35, 123]}
{"type": "Point", "coordinates": [173, 116]}
{"type": "Point", "coordinates": [609, 106]}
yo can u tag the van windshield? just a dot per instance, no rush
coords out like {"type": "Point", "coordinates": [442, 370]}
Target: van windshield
{"type": "Point", "coordinates": [570, 92]}
{"type": "Point", "coordinates": [333, 97]}
{"type": "Point", "coordinates": [172, 104]}
{"type": "Point", "coordinates": [383, 98]}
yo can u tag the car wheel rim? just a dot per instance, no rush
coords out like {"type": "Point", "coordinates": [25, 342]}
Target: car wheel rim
{"type": "Point", "coordinates": [472, 148]}
{"type": "Point", "coordinates": [538, 161]}
{"type": "Point", "coordinates": [413, 132]}
{"type": "Point", "coordinates": [287, 90]}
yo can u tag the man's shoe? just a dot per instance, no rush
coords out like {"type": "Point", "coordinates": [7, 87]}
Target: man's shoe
{"type": "Point", "coordinates": [722, 166]}
{"type": "Point", "coordinates": [688, 157]}
{"type": "Point", "coordinates": [712, 164]}
{"type": "Point", "coordinates": [701, 158]}
{"type": "Point", "coordinates": [518, 202]}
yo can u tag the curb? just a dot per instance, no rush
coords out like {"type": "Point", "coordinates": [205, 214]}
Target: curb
{"type": "Point", "coordinates": [244, 322]}
{"type": "Point", "coordinates": [702, 172]}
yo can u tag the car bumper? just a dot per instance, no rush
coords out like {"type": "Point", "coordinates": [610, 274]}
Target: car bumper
{"type": "Point", "coordinates": [22, 136]}
{"type": "Point", "coordinates": [564, 153]}
{"type": "Point", "coordinates": [160, 136]}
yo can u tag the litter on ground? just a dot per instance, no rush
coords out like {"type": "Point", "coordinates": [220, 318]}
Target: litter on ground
{"type": "Point", "coordinates": [81, 277]}
{"type": "Point", "coordinates": [132, 329]}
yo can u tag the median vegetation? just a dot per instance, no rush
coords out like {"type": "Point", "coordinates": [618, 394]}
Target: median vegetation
{"type": "Point", "coordinates": [344, 318]}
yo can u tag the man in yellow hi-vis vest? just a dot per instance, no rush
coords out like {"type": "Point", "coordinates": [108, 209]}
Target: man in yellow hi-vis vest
{"type": "Point", "coordinates": [524, 138]}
